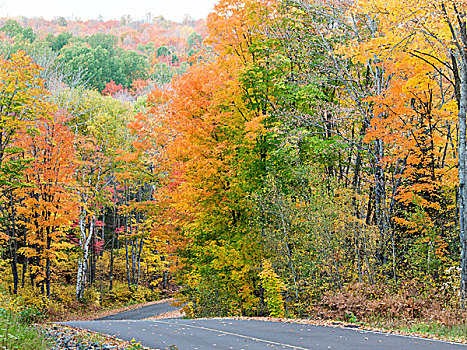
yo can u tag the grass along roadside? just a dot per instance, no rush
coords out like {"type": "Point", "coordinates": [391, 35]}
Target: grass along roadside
{"type": "Point", "coordinates": [425, 329]}
{"type": "Point", "coordinates": [15, 334]}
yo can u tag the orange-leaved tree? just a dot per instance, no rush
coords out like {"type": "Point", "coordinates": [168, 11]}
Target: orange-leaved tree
{"type": "Point", "coordinates": [23, 100]}
{"type": "Point", "coordinates": [47, 207]}
{"type": "Point", "coordinates": [208, 137]}
{"type": "Point", "coordinates": [422, 54]}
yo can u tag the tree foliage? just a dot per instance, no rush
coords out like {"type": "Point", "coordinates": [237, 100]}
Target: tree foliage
{"type": "Point", "coordinates": [289, 153]}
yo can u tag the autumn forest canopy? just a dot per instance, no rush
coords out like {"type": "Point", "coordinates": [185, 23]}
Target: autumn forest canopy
{"type": "Point", "coordinates": [291, 158]}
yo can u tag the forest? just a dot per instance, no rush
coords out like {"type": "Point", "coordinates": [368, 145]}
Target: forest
{"type": "Point", "coordinates": [282, 158]}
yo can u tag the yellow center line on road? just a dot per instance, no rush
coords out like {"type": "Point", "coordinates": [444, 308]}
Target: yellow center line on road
{"type": "Point", "coordinates": [235, 334]}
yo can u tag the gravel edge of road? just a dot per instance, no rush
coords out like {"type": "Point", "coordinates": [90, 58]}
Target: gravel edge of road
{"type": "Point", "coordinates": [57, 334]}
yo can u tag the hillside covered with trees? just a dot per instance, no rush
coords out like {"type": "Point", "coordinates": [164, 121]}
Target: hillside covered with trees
{"type": "Point", "coordinates": [282, 158]}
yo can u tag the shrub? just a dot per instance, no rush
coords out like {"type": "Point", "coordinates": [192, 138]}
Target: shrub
{"type": "Point", "coordinates": [92, 297]}
{"type": "Point", "coordinates": [273, 287]}
{"type": "Point", "coordinates": [122, 295]}
{"type": "Point", "coordinates": [30, 315]}
{"type": "Point", "coordinates": [364, 302]}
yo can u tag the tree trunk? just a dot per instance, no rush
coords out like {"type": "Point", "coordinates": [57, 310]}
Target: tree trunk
{"type": "Point", "coordinates": [14, 248]}
{"type": "Point", "coordinates": [14, 263]}
{"type": "Point", "coordinates": [141, 243]}
{"type": "Point", "coordinates": [25, 260]}
{"type": "Point", "coordinates": [165, 279]}
{"type": "Point", "coordinates": [47, 264]}
{"type": "Point", "coordinates": [462, 178]}
{"type": "Point", "coordinates": [85, 240]}
{"type": "Point", "coordinates": [101, 253]}
{"type": "Point", "coordinates": [25, 269]}
{"type": "Point", "coordinates": [92, 260]}
{"type": "Point", "coordinates": [112, 249]}
{"type": "Point", "coordinates": [126, 255]}
{"type": "Point", "coordinates": [81, 278]}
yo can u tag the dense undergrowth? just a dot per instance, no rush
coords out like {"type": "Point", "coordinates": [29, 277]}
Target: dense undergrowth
{"type": "Point", "coordinates": [408, 307]}
{"type": "Point", "coordinates": [32, 305]}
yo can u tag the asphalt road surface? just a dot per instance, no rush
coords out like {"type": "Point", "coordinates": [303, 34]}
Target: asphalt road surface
{"type": "Point", "coordinates": [142, 313]}
{"type": "Point", "coordinates": [211, 334]}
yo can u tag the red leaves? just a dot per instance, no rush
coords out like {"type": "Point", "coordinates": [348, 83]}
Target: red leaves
{"type": "Point", "coordinates": [111, 88]}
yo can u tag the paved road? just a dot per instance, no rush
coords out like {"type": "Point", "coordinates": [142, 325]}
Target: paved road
{"type": "Point", "coordinates": [142, 313]}
{"type": "Point", "coordinates": [254, 335]}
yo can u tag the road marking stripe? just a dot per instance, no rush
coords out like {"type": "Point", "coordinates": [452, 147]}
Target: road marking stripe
{"type": "Point", "coordinates": [235, 334]}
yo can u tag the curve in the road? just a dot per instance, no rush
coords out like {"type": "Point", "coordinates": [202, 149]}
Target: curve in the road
{"type": "Point", "coordinates": [255, 335]}
{"type": "Point", "coordinates": [142, 312]}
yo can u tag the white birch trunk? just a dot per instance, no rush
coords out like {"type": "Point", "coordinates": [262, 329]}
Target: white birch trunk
{"type": "Point", "coordinates": [462, 178]}
{"type": "Point", "coordinates": [84, 241]}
